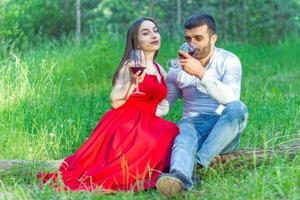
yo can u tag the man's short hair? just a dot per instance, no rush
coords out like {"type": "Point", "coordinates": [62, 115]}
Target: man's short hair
{"type": "Point", "coordinates": [200, 19]}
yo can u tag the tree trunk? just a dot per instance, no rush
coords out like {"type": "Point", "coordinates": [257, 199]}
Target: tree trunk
{"type": "Point", "coordinates": [179, 12]}
{"type": "Point", "coordinates": [78, 21]}
{"type": "Point", "coordinates": [244, 21]}
{"type": "Point", "coordinates": [224, 23]}
{"type": "Point", "coordinates": [151, 8]}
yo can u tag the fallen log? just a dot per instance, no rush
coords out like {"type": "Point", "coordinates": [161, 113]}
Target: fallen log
{"type": "Point", "coordinates": [12, 167]}
{"type": "Point", "coordinates": [255, 156]}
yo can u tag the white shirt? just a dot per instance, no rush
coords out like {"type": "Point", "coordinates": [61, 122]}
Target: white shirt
{"type": "Point", "coordinates": [220, 85]}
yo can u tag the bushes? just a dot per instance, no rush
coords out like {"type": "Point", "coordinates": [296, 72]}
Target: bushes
{"type": "Point", "coordinates": [23, 22]}
{"type": "Point", "coordinates": [27, 21]}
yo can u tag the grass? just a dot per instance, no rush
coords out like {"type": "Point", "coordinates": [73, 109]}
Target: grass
{"type": "Point", "coordinates": [52, 96]}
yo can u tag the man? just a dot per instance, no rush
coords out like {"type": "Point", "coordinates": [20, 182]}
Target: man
{"type": "Point", "coordinates": [213, 116]}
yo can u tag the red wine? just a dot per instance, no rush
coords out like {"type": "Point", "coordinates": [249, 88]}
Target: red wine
{"type": "Point", "coordinates": [191, 53]}
{"type": "Point", "coordinates": [191, 50]}
{"type": "Point", "coordinates": [136, 69]}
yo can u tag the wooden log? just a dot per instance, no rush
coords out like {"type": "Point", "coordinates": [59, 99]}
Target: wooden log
{"type": "Point", "coordinates": [28, 167]}
{"type": "Point", "coordinates": [243, 155]}
{"type": "Point", "coordinates": [257, 156]}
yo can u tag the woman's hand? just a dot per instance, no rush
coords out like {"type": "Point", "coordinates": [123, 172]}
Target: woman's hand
{"type": "Point", "coordinates": [139, 75]}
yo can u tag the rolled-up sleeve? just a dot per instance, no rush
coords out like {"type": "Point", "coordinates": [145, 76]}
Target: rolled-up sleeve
{"type": "Point", "coordinates": [228, 88]}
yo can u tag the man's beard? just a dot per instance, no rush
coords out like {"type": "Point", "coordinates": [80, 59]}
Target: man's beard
{"type": "Point", "coordinates": [203, 52]}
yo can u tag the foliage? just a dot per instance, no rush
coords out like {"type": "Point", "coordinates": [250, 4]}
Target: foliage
{"type": "Point", "coordinates": [254, 21]}
{"type": "Point", "coordinates": [26, 21]}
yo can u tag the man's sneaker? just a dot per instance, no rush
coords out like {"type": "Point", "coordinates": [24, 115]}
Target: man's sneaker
{"type": "Point", "coordinates": [169, 185]}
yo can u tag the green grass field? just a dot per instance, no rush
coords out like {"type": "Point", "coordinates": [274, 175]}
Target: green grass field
{"type": "Point", "coordinates": [52, 96]}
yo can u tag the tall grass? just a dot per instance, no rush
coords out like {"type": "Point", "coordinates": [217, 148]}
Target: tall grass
{"type": "Point", "coordinates": [52, 96]}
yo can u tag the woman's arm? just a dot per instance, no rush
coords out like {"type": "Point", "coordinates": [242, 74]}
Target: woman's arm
{"type": "Point", "coordinates": [124, 85]}
{"type": "Point", "coordinates": [118, 98]}
{"type": "Point", "coordinates": [122, 88]}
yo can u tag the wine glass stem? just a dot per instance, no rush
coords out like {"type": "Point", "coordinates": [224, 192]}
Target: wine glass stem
{"type": "Point", "coordinates": [177, 62]}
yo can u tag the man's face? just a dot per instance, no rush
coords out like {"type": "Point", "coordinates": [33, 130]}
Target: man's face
{"type": "Point", "coordinates": [201, 38]}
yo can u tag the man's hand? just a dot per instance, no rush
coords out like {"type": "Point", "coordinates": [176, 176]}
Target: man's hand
{"type": "Point", "coordinates": [191, 65]}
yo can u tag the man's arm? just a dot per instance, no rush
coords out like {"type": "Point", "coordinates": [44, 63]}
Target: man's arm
{"type": "Point", "coordinates": [224, 91]}
{"type": "Point", "coordinates": [228, 89]}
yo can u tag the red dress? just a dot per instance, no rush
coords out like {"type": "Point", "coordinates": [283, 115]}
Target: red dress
{"type": "Point", "coordinates": [128, 149]}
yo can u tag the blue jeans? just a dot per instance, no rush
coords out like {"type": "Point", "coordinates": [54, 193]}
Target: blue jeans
{"type": "Point", "coordinates": [204, 137]}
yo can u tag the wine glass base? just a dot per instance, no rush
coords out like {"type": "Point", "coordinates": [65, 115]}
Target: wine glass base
{"type": "Point", "coordinates": [173, 63]}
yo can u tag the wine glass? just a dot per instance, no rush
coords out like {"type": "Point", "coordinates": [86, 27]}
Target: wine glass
{"type": "Point", "coordinates": [186, 47]}
{"type": "Point", "coordinates": [137, 56]}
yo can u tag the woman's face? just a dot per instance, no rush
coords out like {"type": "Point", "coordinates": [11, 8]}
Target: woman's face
{"type": "Point", "coordinates": [148, 37]}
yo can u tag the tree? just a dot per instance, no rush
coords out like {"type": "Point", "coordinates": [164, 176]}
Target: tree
{"type": "Point", "coordinates": [78, 21]}
{"type": "Point", "coordinates": [179, 12]}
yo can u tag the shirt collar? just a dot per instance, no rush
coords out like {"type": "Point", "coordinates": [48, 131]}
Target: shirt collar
{"type": "Point", "coordinates": [212, 58]}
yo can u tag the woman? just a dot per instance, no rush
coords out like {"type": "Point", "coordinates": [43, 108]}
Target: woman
{"type": "Point", "coordinates": [130, 146]}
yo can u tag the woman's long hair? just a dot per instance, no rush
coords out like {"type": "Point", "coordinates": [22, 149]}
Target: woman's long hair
{"type": "Point", "coordinates": [132, 43]}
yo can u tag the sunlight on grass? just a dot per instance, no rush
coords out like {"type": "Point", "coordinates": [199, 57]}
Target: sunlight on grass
{"type": "Point", "coordinates": [14, 83]}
